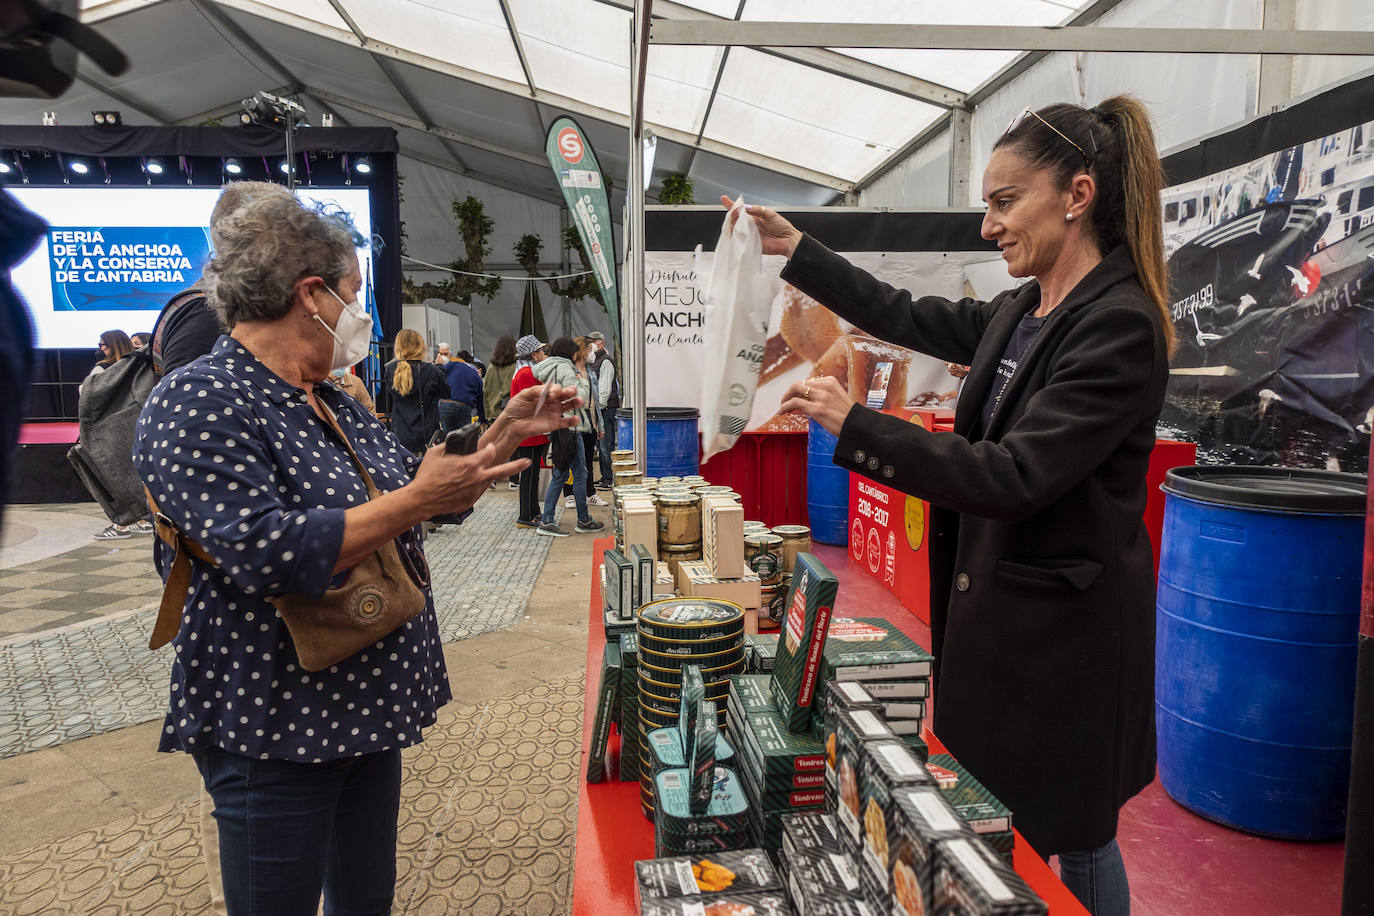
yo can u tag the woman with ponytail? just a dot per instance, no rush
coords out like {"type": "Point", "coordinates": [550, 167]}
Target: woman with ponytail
{"type": "Point", "coordinates": [1041, 576]}
{"type": "Point", "coordinates": [416, 385]}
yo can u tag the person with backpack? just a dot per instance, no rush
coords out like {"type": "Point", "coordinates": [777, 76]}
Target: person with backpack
{"type": "Point", "coordinates": [496, 383]}
{"type": "Point", "coordinates": [608, 397]}
{"type": "Point", "coordinates": [110, 398]}
{"type": "Point", "coordinates": [529, 352]}
{"type": "Point", "coordinates": [567, 455]}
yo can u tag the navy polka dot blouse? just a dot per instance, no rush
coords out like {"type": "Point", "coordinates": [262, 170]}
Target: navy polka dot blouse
{"type": "Point", "coordinates": [237, 459]}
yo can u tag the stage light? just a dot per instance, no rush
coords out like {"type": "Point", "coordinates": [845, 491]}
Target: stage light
{"type": "Point", "coordinates": [49, 119]}
{"type": "Point", "coordinates": [107, 118]}
{"type": "Point", "coordinates": [78, 166]}
{"type": "Point", "coordinates": [284, 167]}
{"type": "Point", "coordinates": [272, 110]}
{"type": "Point", "coordinates": [153, 166]}
{"type": "Point", "coordinates": [232, 166]}
{"type": "Point", "coordinates": [5, 167]}
{"type": "Point", "coordinates": [363, 165]}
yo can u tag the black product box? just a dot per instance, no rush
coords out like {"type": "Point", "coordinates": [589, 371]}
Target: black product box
{"type": "Point", "coordinates": [813, 830]}
{"type": "Point", "coordinates": [970, 880]}
{"type": "Point", "coordinates": [620, 584]}
{"type": "Point", "coordinates": [774, 904]}
{"type": "Point", "coordinates": [643, 560]}
{"type": "Point", "coordinates": [797, 666]}
{"type": "Point", "coordinates": [837, 695]}
{"type": "Point", "coordinates": [814, 875]}
{"type": "Point", "coordinates": [886, 768]}
{"type": "Point", "coordinates": [872, 649]}
{"type": "Point", "coordinates": [738, 871]}
{"type": "Point", "coordinates": [923, 819]}
{"type": "Point", "coordinates": [969, 797]}
{"type": "Point", "coordinates": [853, 730]}
{"type": "Point", "coordinates": [608, 695]}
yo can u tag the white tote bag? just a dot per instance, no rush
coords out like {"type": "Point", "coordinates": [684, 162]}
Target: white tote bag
{"type": "Point", "coordinates": [738, 298]}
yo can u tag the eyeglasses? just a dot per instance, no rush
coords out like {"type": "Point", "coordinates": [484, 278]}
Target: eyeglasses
{"type": "Point", "coordinates": [1020, 119]}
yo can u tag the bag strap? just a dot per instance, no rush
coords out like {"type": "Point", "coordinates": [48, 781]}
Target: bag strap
{"type": "Point", "coordinates": [178, 575]}
{"type": "Point", "coordinates": [183, 548]}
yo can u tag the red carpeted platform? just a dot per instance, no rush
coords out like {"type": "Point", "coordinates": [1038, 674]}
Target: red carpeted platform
{"type": "Point", "coordinates": [48, 434]}
{"type": "Point", "coordinates": [611, 831]}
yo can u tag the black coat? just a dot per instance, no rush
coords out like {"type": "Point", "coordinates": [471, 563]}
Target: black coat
{"type": "Point", "coordinates": [1041, 574]}
{"type": "Point", "coordinates": [415, 415]}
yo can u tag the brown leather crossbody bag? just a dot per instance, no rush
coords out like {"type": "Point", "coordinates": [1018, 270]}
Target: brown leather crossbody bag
{"type": "Point", "coordinates": [377, 596]}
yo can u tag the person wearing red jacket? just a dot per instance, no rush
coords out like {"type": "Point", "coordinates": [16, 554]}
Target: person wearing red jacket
{"type": "Point", "coordinates": [528, 351]}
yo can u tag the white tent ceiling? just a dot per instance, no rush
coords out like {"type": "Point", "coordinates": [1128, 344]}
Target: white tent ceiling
{"type": "Point", "coordinates": [472, 84]}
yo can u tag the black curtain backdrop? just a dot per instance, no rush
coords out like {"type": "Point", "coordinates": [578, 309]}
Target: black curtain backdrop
{"type": "Point", "coordinates": [57, 372]}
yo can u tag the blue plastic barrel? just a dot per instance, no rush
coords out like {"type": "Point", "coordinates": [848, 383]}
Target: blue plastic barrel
{"type": "Point", "coordinates": [673, 448]}
{"type": "Point", "coordinates": [827, 489]}
{"type": "Point", "coordinates": [1258, 613]}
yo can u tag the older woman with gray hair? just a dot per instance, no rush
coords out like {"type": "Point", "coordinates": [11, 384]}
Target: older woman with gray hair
{"type": "Point", "coordinates": [248, 456]}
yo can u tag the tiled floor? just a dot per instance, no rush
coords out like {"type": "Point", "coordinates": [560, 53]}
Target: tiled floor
{"type": "Point", "coordinates": [104, 824]}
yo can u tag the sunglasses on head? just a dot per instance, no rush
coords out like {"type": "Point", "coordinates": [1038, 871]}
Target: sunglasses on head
{"type": "Point", "coordinates": [1031, 113]}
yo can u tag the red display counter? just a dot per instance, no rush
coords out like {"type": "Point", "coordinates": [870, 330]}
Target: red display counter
{"type": "Point", "coordinates": [768, 471]}
{"type": "Point", "coordinates": [612, 833]}
{"type": "Point", "coordinates": [887, 528]}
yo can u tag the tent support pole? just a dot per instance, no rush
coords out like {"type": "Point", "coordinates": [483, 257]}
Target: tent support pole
{"type": "Point", "coordinates": [633, 274]}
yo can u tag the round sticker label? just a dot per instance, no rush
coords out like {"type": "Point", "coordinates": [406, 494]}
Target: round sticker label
{"type": "Point", "coordinates": [570, 145]}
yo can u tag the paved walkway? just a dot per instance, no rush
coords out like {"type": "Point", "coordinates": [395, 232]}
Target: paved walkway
{"type": "Point", "coordinates": [92, 819]}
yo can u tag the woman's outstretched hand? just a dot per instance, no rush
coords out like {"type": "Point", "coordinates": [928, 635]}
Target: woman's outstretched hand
{"type": "Point", "coordinates": [822, 399]}
{"type": "Point", "coordinates": [779, 236]}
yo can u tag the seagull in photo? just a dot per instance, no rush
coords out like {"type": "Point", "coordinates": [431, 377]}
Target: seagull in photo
{"type": "Point", "coordinates": [1203, 336]}
{"type": "Point", "coordinates": [1267, 396]}
{"type": "Point", "coordinates": [1254, 271]}
{"type": "Point", "coordinates": [1246, 301]}
{"type": "Point", "coordinates": [1300, 280]}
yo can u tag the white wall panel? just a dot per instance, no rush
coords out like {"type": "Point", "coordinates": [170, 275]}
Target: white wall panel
{"type": "Point", "coordinates": [920, 181]}
{"type": "Point", "coordinates": [1313, 73]}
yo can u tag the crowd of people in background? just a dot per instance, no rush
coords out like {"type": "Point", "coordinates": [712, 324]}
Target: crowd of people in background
{"type": "Point", "coordinates": [431, 398]}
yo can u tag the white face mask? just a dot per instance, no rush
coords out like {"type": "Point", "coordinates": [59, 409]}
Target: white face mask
{"type": "Point", "coordinates": [352, 333]}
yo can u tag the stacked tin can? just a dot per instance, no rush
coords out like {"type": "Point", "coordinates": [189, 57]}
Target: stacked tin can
{"type": "Point", "coordinates": [673, 633]}
{"type": "Point", "coordinates": [679, 524]}
{"type": "Point", "coordinates": [763, 552]}
{"type": "Point", "coordinates": [795, 539]}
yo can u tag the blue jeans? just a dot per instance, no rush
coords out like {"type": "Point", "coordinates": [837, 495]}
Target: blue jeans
{"type": "Point", "coordinates": [1098, 879]}
{"type": "Point", "coordinates": [453, 415]}
{"type": "Point", "coordinates": [607, 443]}
{"type": "Point", "coordinates": [289, 830]}
{"type": "Point", "coordinates": [555, 491]}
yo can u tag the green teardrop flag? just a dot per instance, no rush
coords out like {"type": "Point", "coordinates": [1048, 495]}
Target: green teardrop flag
{"type": "Point", "coordinates": [584, 189]}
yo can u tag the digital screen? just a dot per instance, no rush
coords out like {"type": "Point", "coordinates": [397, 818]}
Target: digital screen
{"type": "Point", "coordinates": [112, 257]}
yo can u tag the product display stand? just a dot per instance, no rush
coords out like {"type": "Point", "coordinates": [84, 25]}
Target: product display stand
{"type": "Point", "coordinates": [611, 831]}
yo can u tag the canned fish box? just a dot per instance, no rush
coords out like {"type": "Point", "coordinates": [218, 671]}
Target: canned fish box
{"type": "Point", "coordinates": [969, 878]}
{"type": "Point", "coordinates": [899, 690]}
{"type": "Point", "coordinates": [797, 668]}
{"type": "Point", "coordinates": [607, 696]}
{"type": "Point", "coordinates": [814, 876]}
{"type": "Point", "coordinates": [765, 652]}
{"type": "Point", "coordinates": [778, 750]}
{"type": "Point", "coordinates": [838, 695]}
{"type": "Point", "coordinates": [726, 814]}
{"type": "Point", "coordinates": [969, 797]}
{"type": "Point", "coordinates": [629, 649]}
{"type": "Point", "coordinates": [644, 562]}
{"type": "Point", "coordinates": [732, 654]}
{"type": "Point", "coordinates": [871, 649]}
{"type": "Point", "coordinates": [691, 618]}
{"type": "Point", "coordinates": [781, 797]}
{"type": "Point", "coordinates": [667, 844]}
{"type": "Point", "coordinates": [750, 692]}
{"type": "Point", "coordinates": [691, 647]}
{"type": "Point", "coordinates": [721, 905]}
{"type": "Point", "coordinates": [701, 755]}
{"type": "Point", "coordinates": [665, 749]}
{"type": "Point", "coordinates": [614, 626]}
{"type": "Point", "coordinates": [620, 584]}
{"type": "Point", "coordinates": [810, 830]}
{"type": "Point", "coordinates": [888, 767]}
{"type": "Point", "coordinates": [742, 871]}
{"type": "Point", "coordinates": [696, 578]}
{"type": "Point", "coordinates": [854, 731]}
{"type": "Point", "coordinates": [923, 819]}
